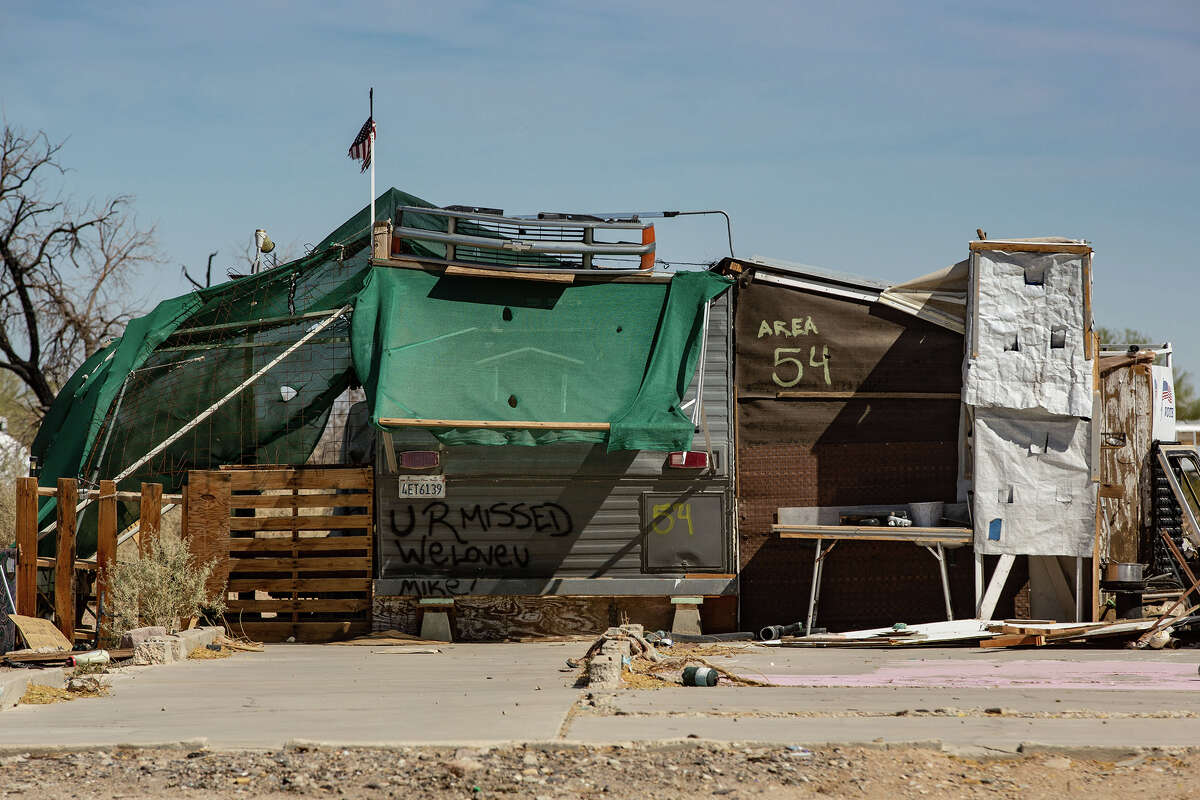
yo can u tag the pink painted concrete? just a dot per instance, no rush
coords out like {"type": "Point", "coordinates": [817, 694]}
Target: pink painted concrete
{"type": "Point", "coordinates": [1039, 674]}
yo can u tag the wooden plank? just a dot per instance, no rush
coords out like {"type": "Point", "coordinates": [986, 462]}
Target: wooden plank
{"type": "Point", "coordinates": [995, 586]}
{"type": "Point", "coordinates": [1049, 629]}
{"type": "Point", "coordinates": [329, 500]}
{"type": "Point", "coordinates": [26, 525]}
{"type": "Point", "coordinates": [314, 478]}
{"type": "Point", "coordinates": [302, 631]}
{"type": "Point", "coordinates": [321, 522]}
{"type": "Point", "coordinates": [208, 522]}
{"type": "Point", "coordinates": [133, 497]}
{"type": "Point", "coordinates": [311, 544]}
{"type": "Point", "coordinates": [1011, 246]}
{"type": "Point", "coordinates": [876, 533]}
{"type": "Point", "coordinates": [150, 517]}
{"type": "Point", "coordinates": [324, 604]}
{"type": "Point", "coordinates": [868, 395]}
{"type": "Point", "coordinates": [474, 272]}
{"type": "Point", "coordinates": [301, 585]}
{"type": "Point", "coordinates": [40, 633]}
{"type": "Point", "coordinates": [412, 422]}
{"type": "Point", "coordinates": [106, 550]}
{"type": "Point", "coordinates": [336, 564]}
{"type": "Point", "coordinates": [1014, 640]}
{"type": "Point", "coordinates": [64, 572]}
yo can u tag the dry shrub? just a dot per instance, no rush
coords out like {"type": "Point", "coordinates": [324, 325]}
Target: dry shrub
{"type": "Point", "coordinates": [162, 587]}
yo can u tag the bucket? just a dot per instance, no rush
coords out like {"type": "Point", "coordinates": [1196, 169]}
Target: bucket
{"type": "Point", "coordinates": [926, 515]}
{"type": "Point", "coordinates": [1124, 572]}
{"type": "Point", "coordinates": [699, 676]}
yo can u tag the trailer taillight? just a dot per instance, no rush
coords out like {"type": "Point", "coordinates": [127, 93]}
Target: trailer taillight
{"type": "Point", "coordinates": [419, 459]}
{"type": "Point", "coordinates": [688, 459]}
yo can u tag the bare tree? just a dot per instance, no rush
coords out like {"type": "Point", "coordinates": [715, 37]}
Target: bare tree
{"type": "Point", "coordinates": [64, 267]}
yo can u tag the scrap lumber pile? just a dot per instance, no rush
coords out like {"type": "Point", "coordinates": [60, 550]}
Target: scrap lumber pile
{"type": "Point", "coordinates": [1134, 633]}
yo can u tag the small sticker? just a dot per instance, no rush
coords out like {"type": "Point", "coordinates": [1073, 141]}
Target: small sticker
{"type": "Point", "coordinates": [994, 530]}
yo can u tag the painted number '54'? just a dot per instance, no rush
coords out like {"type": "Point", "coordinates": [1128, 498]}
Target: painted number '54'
{"type": "Point", "coordinates": [664, 521]}
{"type": "Point", "coordinates": [782, 359]}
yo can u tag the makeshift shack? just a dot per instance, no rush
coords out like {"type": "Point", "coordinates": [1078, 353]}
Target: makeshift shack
{"type": "Point", "coordinates": [550, 462]}
{"type": "Point", "coordinates": [848, 407]}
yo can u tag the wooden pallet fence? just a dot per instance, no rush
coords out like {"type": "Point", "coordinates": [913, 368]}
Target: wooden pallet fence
{"type": "Point", "coordinates": [294, 544]}
{"type": "Point", "coordinates": [65, 603]}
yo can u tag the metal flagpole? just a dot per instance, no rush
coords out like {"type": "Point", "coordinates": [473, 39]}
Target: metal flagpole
{"type": "Point", "coordinates": [371, 221]}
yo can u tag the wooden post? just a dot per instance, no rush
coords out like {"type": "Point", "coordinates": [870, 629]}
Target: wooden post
{"type": "Point", "coordinates": [64, 562]}
{"type": "Point", "coordinates": [27, 543]}
{"type": "Point", "coordinates": [151, 516]}
{"type": "Point", "coordinates": [106, 555]}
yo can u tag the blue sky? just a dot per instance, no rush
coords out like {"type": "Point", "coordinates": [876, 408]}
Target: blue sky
{"type": "Point", "coordinates": [867, 137]}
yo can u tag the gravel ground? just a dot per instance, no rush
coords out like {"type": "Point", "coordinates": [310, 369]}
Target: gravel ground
{"type": "Point", "coordinates": [694, 771]}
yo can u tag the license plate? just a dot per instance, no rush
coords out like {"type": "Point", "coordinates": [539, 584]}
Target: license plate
{"type": "Point", "coordinates": [423, 486]}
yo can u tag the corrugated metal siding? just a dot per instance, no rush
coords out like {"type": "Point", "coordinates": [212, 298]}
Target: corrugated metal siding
{"type": "Point", "coordinates": [480, 522]}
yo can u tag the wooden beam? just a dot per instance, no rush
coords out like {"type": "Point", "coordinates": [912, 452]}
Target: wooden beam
{"type": "Point", "coordinates": [302, 606]}
{"type": "Point", "coordinates": [1014, 640]}
{"type": "Point", "coordinates": [310, 544]}
{"type": "Point", "coordinates": [302, 631]}
{"type": "Point", "coordinates": [876, 533]}
{"type": "Point", "coordinates": [1014, 246]}
{"type": "Point", "coordinates": [301, 585]}
{"type": "Point", "coordinates": [150, 518]}
{"type": "Point", "coordinates": [411, 422]}
{"type": "Point", "coordinates": [238, 566]}
{"type": "Point", "coordinates": [473, 272]}
{"type": "Point", "coordinates": [321, 522]}
{"type": "Point", "coordinates": [868, 395]}
{"type": "Point", "coordinates": [92, 494]}
{"type": "Point", "coordinates": [27, 544]}
{"type": "Point", "coordinates": [987, 606]}
{"type": "Point", "coordinates": [325, 500]}
{"type": "Point", "coordinates": [64, 569]}
{"type": "Point", "coordinates": [314, 478]}
{"type": "Point", "coordinates": [106, 552]}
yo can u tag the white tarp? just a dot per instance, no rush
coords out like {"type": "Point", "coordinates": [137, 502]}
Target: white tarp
{"type": "Point", "coordinates": [939, 297]}
{"type": "Point", "coordinates": [1033, 489]}
{"type": "Point", "coordinates": [1025, 336]}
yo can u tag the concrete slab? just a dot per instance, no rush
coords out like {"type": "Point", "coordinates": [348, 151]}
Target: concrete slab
{"type": "Point", "coordinates": [13, 684]}
{"type": "Point", "coordinates": [494, 693]}
{"type": "Point", "coordinates": [348, 695]}
{"type": "Point", "coordinates": [833, 701]}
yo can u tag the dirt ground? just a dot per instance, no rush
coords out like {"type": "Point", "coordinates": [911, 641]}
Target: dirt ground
{"type": "Point", "coordinates": [689, 771]}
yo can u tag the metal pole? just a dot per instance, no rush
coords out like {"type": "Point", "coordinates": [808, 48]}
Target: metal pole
{"type": "Point", "coordinates": [371, 221]}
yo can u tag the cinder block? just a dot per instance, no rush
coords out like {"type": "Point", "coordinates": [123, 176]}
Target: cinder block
{"type": "Point", "coordinates": [195, 638]}
{"type": "Point", "coordinates": [131, 639]}
{"type": "Point", "coordinates": [157, 650]}
{"type": "Point", "coordinates": [604, 672]}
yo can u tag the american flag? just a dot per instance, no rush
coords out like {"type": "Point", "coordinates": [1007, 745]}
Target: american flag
{"type": "Point", "coordinates": [361, 148]}
{"type": "Point", "coordinates": [1166, 394]}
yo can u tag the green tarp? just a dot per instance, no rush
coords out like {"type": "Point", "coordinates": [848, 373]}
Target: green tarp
{"type": "Point", "coordinates": [556, 352]}
{"type": "Point", "coordinates": [466, 348]}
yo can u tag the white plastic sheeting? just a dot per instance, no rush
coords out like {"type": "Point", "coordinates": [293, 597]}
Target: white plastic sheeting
{"type": "Point", "coordinates": [1033, 489]}
{"type": "Point", "coordinates": [1025, 347]}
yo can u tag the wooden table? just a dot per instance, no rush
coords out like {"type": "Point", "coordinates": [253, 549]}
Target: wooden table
{"type": "Point", "coordinates": [935, 540]}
